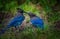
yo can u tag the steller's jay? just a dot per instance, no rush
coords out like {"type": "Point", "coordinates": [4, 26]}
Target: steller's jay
{"type": "Point", "coordinates": [16, 21]}
{"type": "Point", "coordinates": [36, 21]}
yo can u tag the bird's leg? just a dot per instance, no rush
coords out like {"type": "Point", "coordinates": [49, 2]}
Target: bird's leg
{"type": "Point", "coordinates": [16, 28]}
{"type": "Point", "coordinates": [13, 29]}
{"type": "Point", "coordinates": [21, 28]}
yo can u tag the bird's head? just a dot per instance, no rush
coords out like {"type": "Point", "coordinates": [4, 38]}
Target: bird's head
{"type": "Point", "coordinates": [31, 14]}
{"type": "Point", "coordinates": [20, 10]}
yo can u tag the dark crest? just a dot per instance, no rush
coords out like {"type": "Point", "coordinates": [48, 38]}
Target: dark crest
{"type": "Point", "coordinates": [31, 14]}
{"type": "Point", "coordinates": [20, 10]}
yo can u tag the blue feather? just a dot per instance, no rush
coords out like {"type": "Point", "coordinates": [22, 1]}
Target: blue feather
{"type": "Point", "coordinates": [14, 22]}
{"type": "Point", "coordinates": [37, 22]}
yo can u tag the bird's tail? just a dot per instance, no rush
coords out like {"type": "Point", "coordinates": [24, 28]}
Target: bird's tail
{"type": "Point", "coordinates": [3, 30]}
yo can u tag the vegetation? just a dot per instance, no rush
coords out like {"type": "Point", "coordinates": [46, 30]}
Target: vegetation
{"type": "Point", "coordinates": [50, 10]}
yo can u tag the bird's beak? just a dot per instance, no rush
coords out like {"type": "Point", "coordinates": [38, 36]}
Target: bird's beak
{"type": "Point", "coordinates": [26, 13]}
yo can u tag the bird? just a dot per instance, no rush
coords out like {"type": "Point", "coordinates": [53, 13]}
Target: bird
{"type": "Point", "coordinates": [16, 21]}
{"type": "Point", "coordinates": [36, 21]}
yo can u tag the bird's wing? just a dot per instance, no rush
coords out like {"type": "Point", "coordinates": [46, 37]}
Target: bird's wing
{"type": "Point", "coordinates": [19, 18]}
{"type": "Point", "coordinates": [37, 21]}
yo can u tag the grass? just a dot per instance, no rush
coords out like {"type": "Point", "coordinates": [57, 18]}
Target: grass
{"type": "Point", "coordinates": [31, 33]}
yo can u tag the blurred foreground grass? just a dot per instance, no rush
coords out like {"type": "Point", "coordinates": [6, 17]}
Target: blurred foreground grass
{"type": "Point", "coordinates": [31, 33]}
